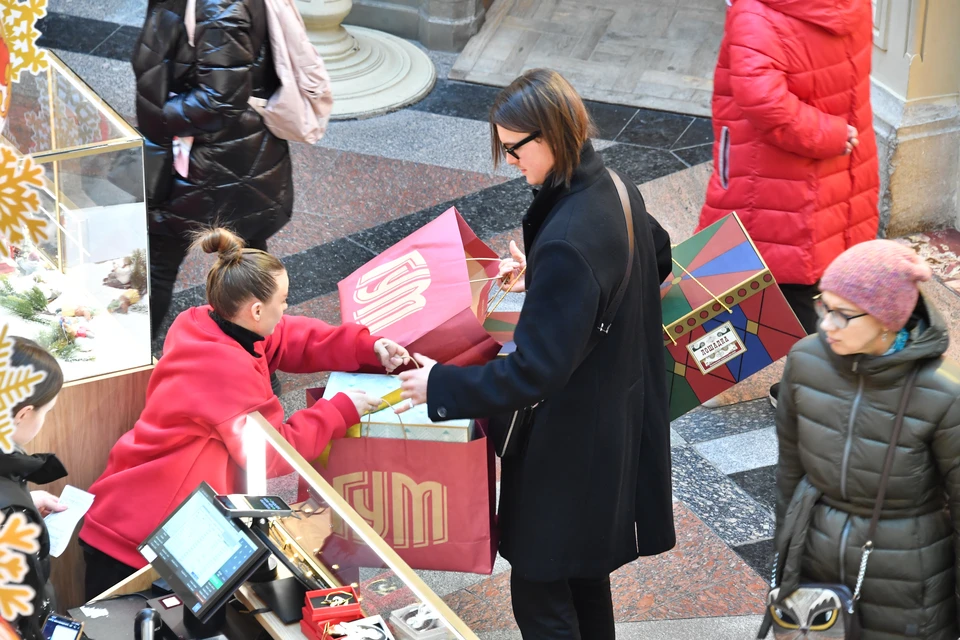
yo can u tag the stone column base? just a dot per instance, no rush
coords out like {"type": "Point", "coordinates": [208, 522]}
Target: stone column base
{"type": "Point", "coordinates": [918, 144]}
{"type": "Point", "coordinates": [444, 25]}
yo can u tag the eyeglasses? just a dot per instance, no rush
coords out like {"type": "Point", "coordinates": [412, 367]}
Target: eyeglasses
{"type": "Point", "coordinates": [838, 319]}
{"type": "Point", "coordinates": [512, 149]}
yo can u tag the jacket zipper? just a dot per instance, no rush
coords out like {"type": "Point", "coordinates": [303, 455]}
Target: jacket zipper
{"type": "Point", "coordinates": [849, 445]}
{"type": "Point", "coordinates": [843, 550]}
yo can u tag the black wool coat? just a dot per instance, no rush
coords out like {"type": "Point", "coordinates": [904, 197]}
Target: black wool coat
{"type": "Point", "coordinates": [240, 173]}
{"type": "Point", "coordinates": [592, 490]}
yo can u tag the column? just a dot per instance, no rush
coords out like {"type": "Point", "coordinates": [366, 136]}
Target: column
{"type": "Point", "coordinates": [371, 72]}
{"type": "Point", "coordinates": [445, 25]}
{"type": "Point", "coordinates": [916, 107]}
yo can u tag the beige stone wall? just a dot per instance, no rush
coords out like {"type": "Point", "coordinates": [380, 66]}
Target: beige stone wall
{"type": "Point", "coordinates": [916, 102]}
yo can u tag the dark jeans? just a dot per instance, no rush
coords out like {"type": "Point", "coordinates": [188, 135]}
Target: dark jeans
{"type": "Point", "coordinates": [800, 297]}
{"type": "Point", "coordinates": [575, 609]}
{"type": "Point", "coordinates": [102, 572]}
{"type": "Point", "coordinates": [167, 252]}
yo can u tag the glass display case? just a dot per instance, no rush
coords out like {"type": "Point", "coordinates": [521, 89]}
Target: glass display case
{"type": "Point", "coordinates": [330, 544]}
{"type": "Point", "coordinates": [76, 279]}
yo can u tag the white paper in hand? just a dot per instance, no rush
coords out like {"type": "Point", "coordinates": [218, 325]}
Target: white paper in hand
{"type": "Point", "coordinates": [60, 525]}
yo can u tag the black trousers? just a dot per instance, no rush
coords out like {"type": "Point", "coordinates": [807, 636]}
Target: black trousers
{"type": "Point", "coordinates": [102, 572]}
{"type": "Point", "coordinates": [167, 252]}
{"type": "Point", "coordinates": [575, 609]}
{"type": "Point", "coordinates": [800, 297]}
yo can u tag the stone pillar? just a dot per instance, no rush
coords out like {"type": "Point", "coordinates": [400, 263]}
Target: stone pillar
{"type": "Point", "coordinates": [916, 107]}
{"type": "Point", "coordinates": [371, 73]}
{"type": "Point", "coordinates": [445, 25]}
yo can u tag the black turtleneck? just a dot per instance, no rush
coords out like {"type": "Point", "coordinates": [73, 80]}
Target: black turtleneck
{"type": "Point", "coordinates": [245, 337]}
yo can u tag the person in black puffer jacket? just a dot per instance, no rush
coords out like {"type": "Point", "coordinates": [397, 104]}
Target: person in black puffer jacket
{"type": "Point", "coordinates": [840, 394]}
{"type": "Point", "coordinates": [18, 468]}
{"type": "Point", "coordinates": [240, 174]}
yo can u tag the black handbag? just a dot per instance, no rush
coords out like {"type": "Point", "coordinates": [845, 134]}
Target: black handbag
{"type": "Point", "coordinates": [511, 431]}
{"type": "Point", "coordinates": [825, 611]}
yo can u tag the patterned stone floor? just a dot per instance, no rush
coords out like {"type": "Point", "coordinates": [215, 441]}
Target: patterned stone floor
{"type": "Point", "coordinates": [369, 183]}
{"type": "Point", "coordinates": [647, 53]}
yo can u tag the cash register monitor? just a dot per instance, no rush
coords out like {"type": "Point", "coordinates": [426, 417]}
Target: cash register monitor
{"type": "Point", "coordinates": [203, 554]}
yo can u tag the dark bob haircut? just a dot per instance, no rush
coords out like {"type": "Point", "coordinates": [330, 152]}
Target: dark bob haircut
{"type": "Point", "coordinates": [542, 100]}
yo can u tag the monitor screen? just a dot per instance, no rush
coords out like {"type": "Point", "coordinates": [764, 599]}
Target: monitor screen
{"type": "Point", "coordinates": [203, 554]}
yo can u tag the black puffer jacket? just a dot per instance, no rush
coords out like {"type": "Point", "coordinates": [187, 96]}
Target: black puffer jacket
{"type": "Point", "coordinates": [240, 173]}
{"type": "Point", "coordinates": [833, 424]}
{"type": "Point", "coordinates": [16, 469]}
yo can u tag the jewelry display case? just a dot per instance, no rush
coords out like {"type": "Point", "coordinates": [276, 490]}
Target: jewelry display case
{"type": "Point", "coordinates": [73, 268]}
{"type": "Point", "coordinates": [333, 548]}
{"type": "Point", "coordinates": [76, 277]}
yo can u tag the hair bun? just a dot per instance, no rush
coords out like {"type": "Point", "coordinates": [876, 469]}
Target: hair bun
{"type": "Point", "coordinates": [221, 241]}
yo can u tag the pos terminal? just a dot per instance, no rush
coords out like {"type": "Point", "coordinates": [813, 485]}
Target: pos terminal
{"type": "Point", "coordinates": [205, 556]}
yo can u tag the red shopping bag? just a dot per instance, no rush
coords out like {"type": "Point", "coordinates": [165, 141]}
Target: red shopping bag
{"type": "Point", "coordinates": [433, 502]}
{"type": "Point", "coordinates": [428, 292]}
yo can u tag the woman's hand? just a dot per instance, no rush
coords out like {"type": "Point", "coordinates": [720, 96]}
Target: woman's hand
{"type": "Point", "coordinates": [46, 503]}
{"type": "Point", "coordinates": [413, 384]}
{"type": "Point", "coordinates": [390, 353]}
{"type": "Point", "coordinates": [363, 401]}
{"type": "Point", "coordinates": [510, 269]}
{"type": "Point", "coordinates": [853, 140]}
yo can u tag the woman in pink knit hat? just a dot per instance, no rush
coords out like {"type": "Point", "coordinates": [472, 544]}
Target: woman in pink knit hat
{"type": "Point", "coordinates": [840, 393]}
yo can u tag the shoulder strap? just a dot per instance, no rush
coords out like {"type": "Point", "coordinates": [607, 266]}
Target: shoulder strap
{"type": "Point", "coordinates": [617, 298]}
{"type": "Point", "coordinates": [190, 20]}
{"type": "Point", "coordinates": [888, 461]}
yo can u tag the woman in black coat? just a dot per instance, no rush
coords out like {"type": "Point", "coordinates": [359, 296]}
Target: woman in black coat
{"type": "Point", "coordinates": [591, 490]}
{"type": "Point", "coordinates": [239, 173]}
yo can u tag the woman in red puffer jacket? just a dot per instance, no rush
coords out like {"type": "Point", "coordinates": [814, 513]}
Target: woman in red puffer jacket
{"type": "Point", "coordinates": [794, 152]}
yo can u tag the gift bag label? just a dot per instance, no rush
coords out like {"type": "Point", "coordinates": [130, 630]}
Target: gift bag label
{"type": "Point", "coordinates": [716, 348]}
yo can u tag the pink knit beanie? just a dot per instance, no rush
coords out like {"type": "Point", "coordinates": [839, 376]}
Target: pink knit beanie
{"type": "Point", "coordinates": [881, 278]}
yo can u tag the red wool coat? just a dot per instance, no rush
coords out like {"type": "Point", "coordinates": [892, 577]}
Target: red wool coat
{"type": "Point", "coordinates": [790, 76]}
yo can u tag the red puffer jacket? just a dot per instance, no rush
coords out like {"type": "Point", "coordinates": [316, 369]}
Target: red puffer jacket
{"type": "Point", "coordinates": [791, 75]}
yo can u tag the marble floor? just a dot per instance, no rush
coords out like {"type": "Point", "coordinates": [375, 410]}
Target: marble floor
{"type": "Point", "coordinates": [369, 183]}
{"type": "Point", "coordinates": [658, 54]}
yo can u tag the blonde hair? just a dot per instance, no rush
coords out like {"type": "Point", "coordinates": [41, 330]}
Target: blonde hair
{"type": "Point", "coordinates": [543, 100]}
{"type": "Point", "coordinates": [238, 274]}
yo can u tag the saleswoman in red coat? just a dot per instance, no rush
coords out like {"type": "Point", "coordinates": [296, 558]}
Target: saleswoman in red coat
{"type": "Point", "coordinates": [794, 152]}
{"type": "Point", "coordinates": [215, 370]}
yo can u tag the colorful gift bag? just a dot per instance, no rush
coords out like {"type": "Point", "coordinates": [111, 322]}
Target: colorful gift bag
{"type": "Point", "coordinates": [501, 326]}
{"type": "Point", "coordinates": [428, 292]}
{"type": "Point", "coordinates": [724, 317]}
{"type": "Point", "coordinates": [433, 502]}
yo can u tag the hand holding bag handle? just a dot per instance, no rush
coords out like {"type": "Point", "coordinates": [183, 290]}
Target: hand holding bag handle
{"type": "Point", "coordinates": [515, 426]}
{"type": "Point", "coordinates": [790, 551]}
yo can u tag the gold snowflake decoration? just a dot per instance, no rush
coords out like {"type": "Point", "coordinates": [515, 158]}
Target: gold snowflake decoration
{"type": "Point", "coordinates": [16, 385]}
{"type": "Point", "coordinates": [18, 537]}
{"type": "Point", "coordinates": [18, 200]}
{"type": "Point", "coordinates": [19, 24]}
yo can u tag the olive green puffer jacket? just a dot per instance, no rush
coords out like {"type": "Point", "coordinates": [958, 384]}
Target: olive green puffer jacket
{"type": "Point", "coordinates": [834, 421]}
